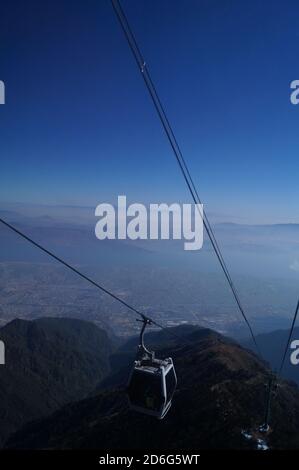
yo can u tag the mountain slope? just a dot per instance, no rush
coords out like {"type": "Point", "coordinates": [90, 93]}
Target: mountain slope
{"type": "Point", "coordinates": [272, 347]}
{"type": "Point", "coordinates": [122, 358]}
{"type": "Point", "coordinates": [49, 362]}
{"type": "Point", "coordinates": [220, 391]}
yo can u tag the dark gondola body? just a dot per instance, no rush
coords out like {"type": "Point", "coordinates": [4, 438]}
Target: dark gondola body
{"type": "Point", "coordinates": [151, 387]}
{"type": "Point", "coordinates": [152, 382]}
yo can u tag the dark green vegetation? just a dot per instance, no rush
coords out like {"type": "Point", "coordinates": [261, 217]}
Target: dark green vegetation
{"type": "Point", "coordinates": [221, 390]}
{"type": "Point", "coordinates": [49, 362]}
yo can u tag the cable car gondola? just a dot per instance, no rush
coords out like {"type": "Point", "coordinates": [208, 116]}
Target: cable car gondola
{"type": "Point", "coordinates": [152, 381]}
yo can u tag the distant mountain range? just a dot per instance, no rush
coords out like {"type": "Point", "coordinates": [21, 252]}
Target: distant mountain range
{"type": "Point", "coordinates": [270, 251]}
{"type": "Point", "coordinates": [49, 362]}
{"type": "Point", "coordinates": [69, 231]}
{"type": "Point", "coordinates": [272, 346]}
{"type": "Point", "coordinates": [221, 390]}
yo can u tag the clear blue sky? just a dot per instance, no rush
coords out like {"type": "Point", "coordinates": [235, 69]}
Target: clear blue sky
{"type": "Point", "coordinates": [79, 128]}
